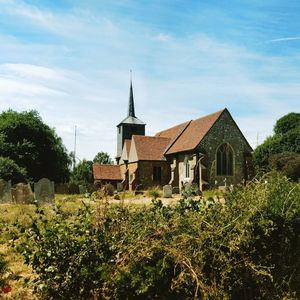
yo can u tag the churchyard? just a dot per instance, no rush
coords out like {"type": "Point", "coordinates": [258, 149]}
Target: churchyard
{"type": "Point", "coordinates": [148, 245]}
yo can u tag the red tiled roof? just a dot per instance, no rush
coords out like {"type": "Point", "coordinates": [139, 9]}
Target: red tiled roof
{"type": "Point", "coordinates": [106, 172]}
{"type": "Point", "coordinates": [193, 133]}
{"type": "Point", "coordinates": [173, 133]}
{"type": "Point", "coordinates": [150, 147]}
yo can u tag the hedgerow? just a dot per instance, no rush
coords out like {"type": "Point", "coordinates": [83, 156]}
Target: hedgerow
{"type": "Point", "coordinates": [245, 246]}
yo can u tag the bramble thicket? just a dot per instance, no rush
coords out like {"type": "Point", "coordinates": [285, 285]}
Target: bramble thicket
{"type": "Point", "coordinates": [243, 245]}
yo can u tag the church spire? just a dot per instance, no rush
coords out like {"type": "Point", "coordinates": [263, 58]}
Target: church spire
{"type": "Point", "coordinates": [131, 112]}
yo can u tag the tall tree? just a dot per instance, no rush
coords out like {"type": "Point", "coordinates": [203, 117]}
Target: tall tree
{"type": "Point", "coordinates": [83, 174]}
{"type": "Point", "coordinates": [281, 151]}
{"type": "Point", "coordinates": [103, 158]}
{"type": "Point", "coordinates": [33, 145]}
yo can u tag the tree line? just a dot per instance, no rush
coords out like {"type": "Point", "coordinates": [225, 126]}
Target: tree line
{"type": "Point", "coordinates": [31, 150]}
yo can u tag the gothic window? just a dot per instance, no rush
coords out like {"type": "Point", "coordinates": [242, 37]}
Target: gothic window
{"type": "Point", "coordinates": [157, 174]}
{"type": "Point", "coordinates": [187, 169]}
{"type": "Point", "coordinates": [224, 160]}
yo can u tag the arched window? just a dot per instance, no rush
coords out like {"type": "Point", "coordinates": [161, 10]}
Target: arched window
{"type": "Point", "coordinates": [186, 167]}
{"type": "Point", "coordinates": [224, 160]}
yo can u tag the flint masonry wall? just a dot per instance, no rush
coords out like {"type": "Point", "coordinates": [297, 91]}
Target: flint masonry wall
{"type": "Point", "coordinates": [224, 131]}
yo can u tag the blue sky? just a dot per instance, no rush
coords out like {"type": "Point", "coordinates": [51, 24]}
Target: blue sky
{"type": "Point", "coordinates": [70, 61]}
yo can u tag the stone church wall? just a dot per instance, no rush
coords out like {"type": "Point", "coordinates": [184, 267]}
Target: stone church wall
{"type": "Point", "coordinates": [224, 131]}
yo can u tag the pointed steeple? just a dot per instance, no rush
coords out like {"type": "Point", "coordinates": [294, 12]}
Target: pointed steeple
{"type": "Point", "coordinates": [130, 126]}
{"type": "Point", "coordinates": [131, 112]}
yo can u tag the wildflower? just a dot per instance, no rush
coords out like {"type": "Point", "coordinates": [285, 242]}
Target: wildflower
{"type": "Point", "coordinates": [6, 289]}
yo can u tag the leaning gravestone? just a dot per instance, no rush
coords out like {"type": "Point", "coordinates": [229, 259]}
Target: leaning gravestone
{"type": "Point", "coordinates": [44, 190]}
{"type": "Point", "coordinates": [120, 187]}
{"type": "Point", "coordinates": [22, 194]}
{"type": "Point", "coordinates": [5, 191]}
{"type": "Point", "coordinates": [167, 191]}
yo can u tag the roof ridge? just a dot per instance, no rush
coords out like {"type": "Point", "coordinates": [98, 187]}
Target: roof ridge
{"type": "Point", "coordinates": [178, 136]}
{"type": "Point", "coordinates": [150, 136]}
{"type": "Point", "coordinates": [215, 113]}
{"type": "Point", "coordinates": [171, 127]}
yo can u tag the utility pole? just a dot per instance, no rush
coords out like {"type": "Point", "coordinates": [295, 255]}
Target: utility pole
{"type": "Point", "coordinates": [74, 158]}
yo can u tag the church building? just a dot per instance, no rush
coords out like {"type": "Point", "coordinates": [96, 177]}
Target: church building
{"type": "Point", "coordinates": [210, 151]}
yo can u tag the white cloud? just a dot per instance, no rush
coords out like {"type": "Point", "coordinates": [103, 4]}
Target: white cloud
{"type": "Point", "coordinates": [285, 39]}
{"type": "Point", "coordinates": [162, 37]}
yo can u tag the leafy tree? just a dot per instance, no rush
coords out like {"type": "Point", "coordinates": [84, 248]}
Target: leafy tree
{"type": "Point", "coordinates": [287, 122]}
{"type": "Point", "coordinates": [288, 163]}
{"type": "Point", "coordinates": [82, 173]}
{"type": "Point", "coordinates": [285, 139]}
{"type": "Point", "coordinates": [33, 145]}
{"type": "Point", "coordinates": [9, 170]}
{"type": "Point", "coordinates": [103, 158]}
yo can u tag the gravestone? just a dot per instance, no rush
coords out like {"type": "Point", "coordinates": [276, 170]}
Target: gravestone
{"type": "Point", "coordinates": [82, 189]}
{"type": "Point", "coordinates": [5, 191]}
{"type": "Point", "coordinates": [22, 194]}
{"type": "Point", "coordinates": [222, 188]}
{"type": "Point", "coordinates": [167, 191]}
{"type": "Point", "coordinates": [44, 190]}
{"type": "Point", "coordinates": [120, 187]}
{"type": "Point", "coordinates": [176, 190]}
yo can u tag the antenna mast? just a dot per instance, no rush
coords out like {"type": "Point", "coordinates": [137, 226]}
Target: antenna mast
{"type": "Point", "coordinates": [75, 137]}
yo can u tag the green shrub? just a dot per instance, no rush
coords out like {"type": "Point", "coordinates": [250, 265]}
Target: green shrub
{"type": "Point", "coordinates": [247, 248]}
{"type": "Point", "coordinates": [109, 189]}
{"type": "Point", "coordinates": [9, 170]}
{"type": "Point", "coordinates": [288, 163]}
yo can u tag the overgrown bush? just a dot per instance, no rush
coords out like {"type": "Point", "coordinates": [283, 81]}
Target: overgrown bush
{"type": "Point", "coordinates": [245, 248]}
{"type": "Point", "coordinates": [288, 163]}
{"type": "Point", "coordinates": [154, 192]}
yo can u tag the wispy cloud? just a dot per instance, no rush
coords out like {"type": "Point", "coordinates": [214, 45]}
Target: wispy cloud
{"type": "Point", "coordinates": [286, 39]}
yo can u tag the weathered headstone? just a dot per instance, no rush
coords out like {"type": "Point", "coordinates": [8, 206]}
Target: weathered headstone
{"type": "Point", "coordinates": [5, 191]}
{"type": "Point", "coordinates": [22, 194]}
{"type": "Point", "coordinates": [175, 190]}
{"type": "Point", "coordinates": [44, 190]}
{"type": "Point", "coordinates": [82, 189]}
{"type": "Point", "coordinates": [222, 188]}
{"type": "Point", "coordinates": [120, 187]}
{"type": "Point", "coordinates": [167, 191]}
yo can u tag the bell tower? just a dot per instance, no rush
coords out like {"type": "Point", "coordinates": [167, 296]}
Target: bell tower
{"type": "Point", "coordinates": [129, 126]}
